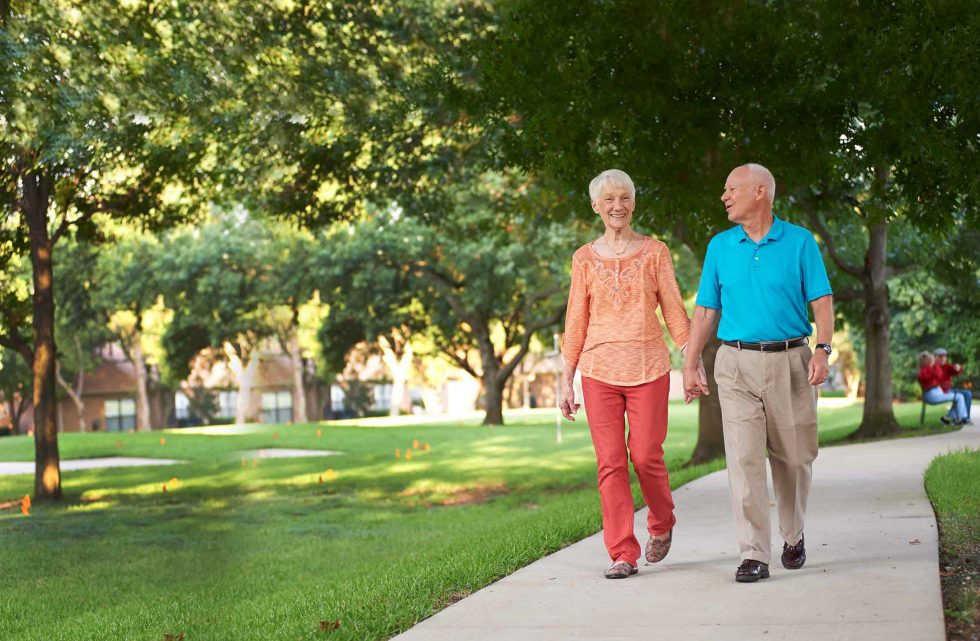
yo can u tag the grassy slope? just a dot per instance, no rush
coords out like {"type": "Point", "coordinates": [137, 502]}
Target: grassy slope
{"type": "Point", "coordinates": [266, 551]}
{"type": "Point", "coordinates": [953, 485]}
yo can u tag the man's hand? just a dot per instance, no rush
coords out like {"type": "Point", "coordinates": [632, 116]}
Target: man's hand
{"type": "Point", "coordinates": [695, 382]}
{"type": "Point", "coordinates": [566, 402]}
{"type": "Point", "coordinates": [818, 368]}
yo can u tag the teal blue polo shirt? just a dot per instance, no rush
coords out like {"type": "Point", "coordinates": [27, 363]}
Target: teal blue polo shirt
{"type": "Point", "coordinates": [762, 288]}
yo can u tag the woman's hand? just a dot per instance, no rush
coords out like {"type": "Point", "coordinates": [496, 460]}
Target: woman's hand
{"type": "Point", "coordinates": [695, 382]}
{"type": "Point", "coordinates": [566, 402]}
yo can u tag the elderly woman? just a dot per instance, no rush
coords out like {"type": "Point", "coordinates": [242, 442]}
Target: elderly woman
{"type": "Point", "coordinates": [613, 337]}
{"type": "Point", "coordinates": [930, 379]}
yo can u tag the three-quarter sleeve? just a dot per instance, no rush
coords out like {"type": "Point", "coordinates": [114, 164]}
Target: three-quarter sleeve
{"type": "Point", "coordinates": [671, 302]}
{"type": "Point", "coordinates": [576, 316]}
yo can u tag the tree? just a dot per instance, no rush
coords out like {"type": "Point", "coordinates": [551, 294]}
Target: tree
{"type": "Point", "coordinates": [218, 279]}
{"type": "Point", "coordinates": [904, 146]}
{"type": "Point", "coordinates": [94, 104]}
{"type": "Point", "coordinates": [128, 304]}
{"type": "Point", "coordinates": [80, 330]}
{"type": "Point", "coordinates": [488, 276]}
{"type": "Point", "coordinates": [677, 101]}
{"type": "Point", "coordinates": [15, 386]}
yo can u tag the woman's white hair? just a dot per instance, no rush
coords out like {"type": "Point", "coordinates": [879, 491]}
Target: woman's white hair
{"type": "Point", "coordinates": [765, 178]}
{"type": "Point", "coordinates": [610, 176]}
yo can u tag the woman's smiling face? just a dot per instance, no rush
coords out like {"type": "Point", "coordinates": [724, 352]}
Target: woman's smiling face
{"type": "Point", "coordinates": [615, 206]}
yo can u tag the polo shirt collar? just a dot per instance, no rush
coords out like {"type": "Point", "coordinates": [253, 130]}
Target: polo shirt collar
{"type": "Point", "coordinates": [775, 232]}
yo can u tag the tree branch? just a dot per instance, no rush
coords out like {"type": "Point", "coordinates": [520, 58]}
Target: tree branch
{"type": "Point", "coordinates": [509, 367]}
{"type": "Point", "coordinates": [828, 241]}
{"type": "Point", "coordinates": [463, 362]}
{"type": "Point", "coordinates": [849, 294]}
{"type": "Point", "coordinates": [15, 342]}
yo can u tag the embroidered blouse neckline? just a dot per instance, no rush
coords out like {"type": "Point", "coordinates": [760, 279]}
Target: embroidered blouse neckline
{"type": "Point", "coordinates": [630, 255]}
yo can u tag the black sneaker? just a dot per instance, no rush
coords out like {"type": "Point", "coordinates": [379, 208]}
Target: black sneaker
{"type": "Point", "coordinates": [946, 420]}
{"type": "Point", "coordinates": [751, 571]}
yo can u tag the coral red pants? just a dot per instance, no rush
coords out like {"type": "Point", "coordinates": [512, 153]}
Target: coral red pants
{"type": "Point", "coordinates": [646, 407]}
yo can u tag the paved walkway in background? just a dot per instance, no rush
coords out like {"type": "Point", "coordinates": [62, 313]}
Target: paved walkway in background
{"type": "Point", "coordinates": [872, 569]}
{"type": "Point", "coordinates": [27, 467]}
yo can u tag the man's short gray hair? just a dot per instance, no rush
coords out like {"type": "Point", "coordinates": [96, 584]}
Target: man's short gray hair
{"type": "Point", "coordinates": [610, 176]}
{"type": "Point", "coordinates": [765, 178]}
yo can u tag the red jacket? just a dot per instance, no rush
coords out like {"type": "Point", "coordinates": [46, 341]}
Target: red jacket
{"type": "Point", "coordinates": [946, 373]}
{"type": "Point", "coordinates": [929, 376]}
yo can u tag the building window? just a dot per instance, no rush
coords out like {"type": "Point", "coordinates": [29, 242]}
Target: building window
{"type": "Point", "coordinates": [336, 399]}
{"type": "Point", "coordinates": [182, 404]}
{"type": "Point", "coordinates": [277, 407]}
{"type": "Point", "coordinates": [120, 415]}
{"type": "Point", "coordinates": [382, 396]}
{"type": "Point", "coordinates": [228, 403]}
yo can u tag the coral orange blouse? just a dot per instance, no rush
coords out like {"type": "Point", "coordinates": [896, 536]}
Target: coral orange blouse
{"type": "Point", "coordinates": [612, 332]}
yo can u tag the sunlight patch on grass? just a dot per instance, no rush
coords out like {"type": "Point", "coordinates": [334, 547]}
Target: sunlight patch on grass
{"type": "Point", "coordinates": [91, 506]}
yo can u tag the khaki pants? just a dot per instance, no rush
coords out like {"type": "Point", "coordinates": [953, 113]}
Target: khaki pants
{"type": "Point", "coordinates": [767, 404]}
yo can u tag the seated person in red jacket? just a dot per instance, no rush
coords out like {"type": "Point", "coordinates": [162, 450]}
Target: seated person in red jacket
{"type": "Point", "coordinates": [932, 391]}
{"type": "Point", "coordinates": [947, 372]}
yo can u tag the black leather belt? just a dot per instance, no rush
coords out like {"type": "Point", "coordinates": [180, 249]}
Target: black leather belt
{"type": "Point", "coordinates": [769, 346]}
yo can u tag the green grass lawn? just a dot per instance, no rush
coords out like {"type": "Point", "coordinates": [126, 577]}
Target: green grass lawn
{"type": "Point", "coordinates": [953, 487]}
{"type": "Point", "coordinates": [243, 549]}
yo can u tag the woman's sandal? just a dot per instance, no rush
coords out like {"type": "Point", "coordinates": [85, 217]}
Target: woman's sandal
{"type": "Point", "coordinates": [621, 570]}
{"type": "Point", "coordinates": [657, 549]}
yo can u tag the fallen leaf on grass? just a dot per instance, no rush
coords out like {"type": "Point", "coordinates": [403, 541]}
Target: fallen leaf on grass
{"type": "Point", "coordinates": [25, 505]}
{"type": "Point", "coordinates": [415, 443]}
{"type": "Point", "coordinates": [173, 637]}
{"type": "Point", "coordinates": [163, 440]}
{"type": "Point", "coordinates": [947, 572]}
{"type": "Point", "coordinates": [330, 626]}
{"type": "Point", "coordinates": [915, 542]}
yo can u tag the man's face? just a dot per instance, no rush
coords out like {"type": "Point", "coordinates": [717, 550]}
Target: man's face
{"type": "Point", "coordinates": [940, 359]}
{"type": "Point", "coordinates": [742, 196]}
{"type": "Point", "coordinates": [615, 206]}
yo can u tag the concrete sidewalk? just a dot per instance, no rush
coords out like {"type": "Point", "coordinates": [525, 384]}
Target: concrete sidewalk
{"type": "Point", "coordinates": [872, 569]}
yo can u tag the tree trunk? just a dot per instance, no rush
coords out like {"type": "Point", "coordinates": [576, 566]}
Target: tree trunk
{"type": "Point", "coordinates": [399, 364]}
{"type": "Point", "coordinates": [162, 402]}
{"type": "Point", "coordinates": [879, 416]}
{"type": "Point", "coordinates": [47, 472]}
{"type": "Point", "coordinates": [143, 423]}
{"type": "Point", "coordinates": [711, 439]}
{"type": "Point", "coordinates": [493, 390]}
{"type": "Point", "coordinates": [300, 414]}
{"type": "Point", "coordinates": [73, 394]}
{"type": "Point", "coordinates": [317, 392]}
{"type": "Point", "coordinates": [245, 376]}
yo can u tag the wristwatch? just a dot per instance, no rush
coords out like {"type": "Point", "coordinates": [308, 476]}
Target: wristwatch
{"type": "Point", "coordinates": [825, 347]}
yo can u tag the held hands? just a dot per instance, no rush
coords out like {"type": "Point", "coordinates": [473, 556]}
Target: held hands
{"type": "Point", "coordinates": [566, 402]}
{"type": "Point", "coordinates": [817, 373]}
{"type": "Point", "coordinates": [695, 382]}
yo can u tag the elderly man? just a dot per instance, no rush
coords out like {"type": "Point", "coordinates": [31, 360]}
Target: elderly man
{"type": "Point", "coordinates": [946, 373]}
{"type": "Point", "coordinates": [757, 279]}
